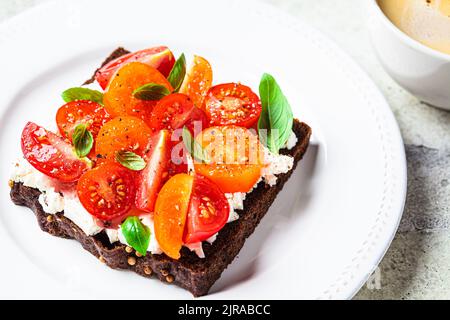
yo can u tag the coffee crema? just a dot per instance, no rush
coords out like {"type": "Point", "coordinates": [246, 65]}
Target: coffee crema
{"type": "Point", "coordinates": [427, 21]}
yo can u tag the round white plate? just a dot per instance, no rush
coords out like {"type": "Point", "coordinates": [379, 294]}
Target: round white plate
{"type": "Point", "coordinates": [328, 228]}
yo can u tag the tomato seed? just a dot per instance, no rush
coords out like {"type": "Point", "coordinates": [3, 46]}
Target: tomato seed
{"type": "Point", "coordinates": [101, 203]}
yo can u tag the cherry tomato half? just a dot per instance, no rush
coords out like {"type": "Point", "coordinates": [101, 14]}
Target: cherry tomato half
{"type": "Point", "coordinates": [119, 99]}
{"type": "Point", "coordinates": [170, 214]}
{"type": "Point", "coordinates": [90, 113]}
{"type": "Point", "coordinates": [208, 211]}
{"type": "Point", "coordinates": [50, 154]}
{"type": "Point", "coordinates": [107, 192]}
{"type": "Point", "coordinates": [151, 179]}
{"type": "Point", "coordinates": [124, 133]}
{"type": "Point", "coordinates": [175, 111]}
{"type": "Point", "coordinates": [160, 58]}
{"type": "Point", "coordinates": [236, 158]}
{"type": "Point", "coordinates": [232, 104]}
{"type": "Point", "coordinates": [198, 81]}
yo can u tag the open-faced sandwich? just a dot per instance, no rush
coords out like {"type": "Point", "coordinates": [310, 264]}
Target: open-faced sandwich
{"type": "Point", "coordinates": [160, 171]}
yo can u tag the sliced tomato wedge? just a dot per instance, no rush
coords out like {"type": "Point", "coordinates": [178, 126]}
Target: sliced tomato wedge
{"type": "Point", "coordinates": [50, 154]}
{"type": "Point", "coordinates": [119, 99]}
{"type": "Point", "coordinates": [175, 111]}
{"type": "Point", "coordinates": [151, 179]}
{"type": "Point", "coordinates": [198, 81]}
{"type": "Point", "coordinates": [208, 211]}
{"type": "Point", "coordinates": [122, 134]}
{"type": "Point", "coordinates": [90, 113]}
{"type": "Point", "coordinates": [232, 104]}
{"type": "Point", "coordinates": [170, 214]}
{"type": "Point", "coordinates": [107, 192]}
{"type": "Point", "coordinates": [160, 58]}
{"type": "Point", "coordinates": [236, 157]}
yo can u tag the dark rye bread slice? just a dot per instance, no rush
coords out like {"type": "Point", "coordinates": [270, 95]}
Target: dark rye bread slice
{"type": "Point", "coordinates": [190, 272]}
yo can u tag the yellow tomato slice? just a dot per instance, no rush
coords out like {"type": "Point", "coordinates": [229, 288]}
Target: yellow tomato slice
{"type": "Point", "coordinates": [171, 210]}
{"type": "Point", "coordinates": [119, 99]}
{"type": "Point", "coordinates": [236, 158]}
{"type": "Point", "coordinates": [198, 81]}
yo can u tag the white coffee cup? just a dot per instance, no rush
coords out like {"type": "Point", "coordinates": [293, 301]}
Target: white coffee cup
{"type": "Point", "coordinates": [423, 71]}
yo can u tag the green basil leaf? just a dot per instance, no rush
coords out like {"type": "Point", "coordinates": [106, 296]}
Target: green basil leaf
{"type": "Point", "coordinates": [194, 148]}
{"type": "Point", "coordinates": [79, 93]}
{"type": "Point", "coordinates": [82, 140]}
{"type": "Point", "coordinates": [130, 160]}
{"type": "Point", "coordinates": [275, 122]}
{"type": "Point", "coordinates": [177, 73]}
{"type": "Point", "coordinates": [151, 91]}
{"type": "Point", "coordinates": [136, 234]}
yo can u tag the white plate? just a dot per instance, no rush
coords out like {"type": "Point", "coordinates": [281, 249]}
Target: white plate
{"type": "Point", "coordinates": [326, 231]}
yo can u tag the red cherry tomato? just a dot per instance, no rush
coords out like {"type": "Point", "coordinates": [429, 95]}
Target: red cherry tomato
{"type": "Point", "coordinates": [107, 192]}
{"type": "Point", "coordinates": [50, 154]}
{"type": "Point", "coordinates": [151, 179]}
{"type": "Point", "coordinates": [160, 58]}
{"type": "Point", "coordinates": [175, 111]}
{"type": "Point", "coordinates": [232, 104]}
{"type": "Point", "coordinates": [160, 168]}
{"type": "Point", "coordinates": [90, 113]}
{"type": "Point", "coordinates": [208, 211]}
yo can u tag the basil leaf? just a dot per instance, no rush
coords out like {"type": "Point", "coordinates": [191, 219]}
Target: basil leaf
{"type": "Point", "coordinates": [151, 91]}
{"type": "Point", "coordinates": [136, 234]}
{"type": "Point", "coordinates": [194, 148]}
{"type": "Point", "coordinates": [79, 93]}
{"type": "Point", "coordinates": [177, 73]}
{"type": "Point", "coordinates": [82, 140]}
{"type": "Point", "coordinates": [130, 160]}
{"type": "Point", "coordinates": [275, 122]}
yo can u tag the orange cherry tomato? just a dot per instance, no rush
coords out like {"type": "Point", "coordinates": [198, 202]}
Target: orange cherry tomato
{"type": "Point", "coordinates": [235, 158]}
{"type": "Point", "coordinates": [198, 81]}
{"type": "Point", "coordinates": [232, 104]}
{"type": "Point", "coordinates": [124, 133]}
{"type": "Point", "coordinates": [160, 58]}
{"type": "Point", "coordinates": [119, 99]}
{"type": "Point", "coordinates": [170, 214]}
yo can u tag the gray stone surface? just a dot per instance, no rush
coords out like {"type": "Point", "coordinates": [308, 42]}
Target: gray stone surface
{"type": "Point", "coordinates": [428, 190]}
{"type": "Point", "coordinates": [417, 264]}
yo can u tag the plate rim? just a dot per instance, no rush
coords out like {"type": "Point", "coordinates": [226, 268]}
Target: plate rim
{"type": "Point", "coordinates": [327, 42]}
